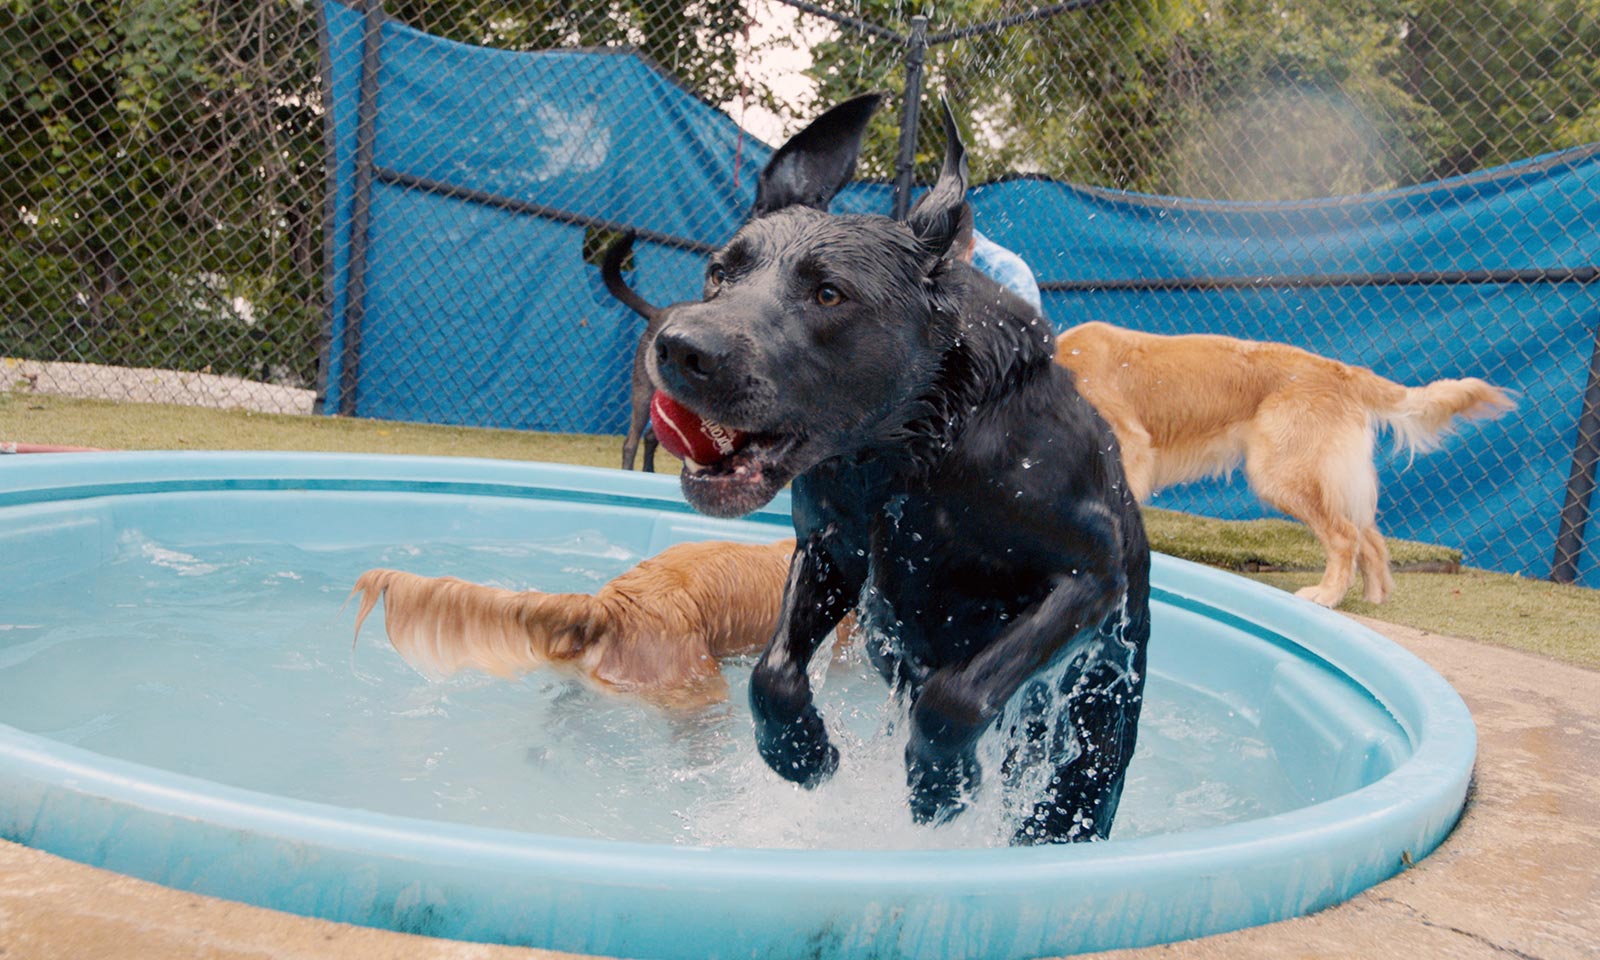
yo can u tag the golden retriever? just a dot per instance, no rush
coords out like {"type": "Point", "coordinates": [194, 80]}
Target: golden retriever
{"type": "Point", "coordinates": [1186, 407]}
{"type": "Point", "coordinates": [657, 630]}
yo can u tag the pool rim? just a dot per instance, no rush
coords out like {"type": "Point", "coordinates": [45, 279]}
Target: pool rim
{"type": "Point", "coordinates": [1415, 805]}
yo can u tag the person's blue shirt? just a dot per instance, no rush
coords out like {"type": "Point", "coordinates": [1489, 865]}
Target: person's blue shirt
{"type": "Point", "coordinates": [1006, 269]}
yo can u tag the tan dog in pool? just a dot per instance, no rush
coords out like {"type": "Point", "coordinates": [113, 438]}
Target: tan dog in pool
{"type": "Point", "coordinates": [657, 630]}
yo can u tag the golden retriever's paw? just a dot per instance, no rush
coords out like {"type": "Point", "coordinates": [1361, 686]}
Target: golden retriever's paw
{"type": "Point", "coordinates": [1320, 595]}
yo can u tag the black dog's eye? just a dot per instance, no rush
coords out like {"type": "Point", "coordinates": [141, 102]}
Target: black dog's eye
{"type": "Point", "coordinates": [829, 295]}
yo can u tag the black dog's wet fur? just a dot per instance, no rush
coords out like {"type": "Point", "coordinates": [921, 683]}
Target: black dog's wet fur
{"type": "Point", "coordinates": [947, 478]}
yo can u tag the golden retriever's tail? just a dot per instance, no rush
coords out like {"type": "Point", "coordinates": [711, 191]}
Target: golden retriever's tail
{"type": "Point", "coordinates": [442, 624]}
{"type": "Point", "coordinates": [1421, 417]}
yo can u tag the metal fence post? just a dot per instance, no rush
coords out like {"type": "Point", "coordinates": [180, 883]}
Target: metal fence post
{"type": "Point", "coordinates": [1581, 481]}
{"type": "Point", "coordinates": [355, 294]}
{"type": "Point", "coordinates": [905, 160]}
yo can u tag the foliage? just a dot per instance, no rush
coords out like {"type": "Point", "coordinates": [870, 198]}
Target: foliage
{"type": "Point", "coordinates": [1279, 101]}
{"type": "Point", "coordinates": [154, 177]}
{"type": "Point", "coordinates": [1248, 99]}
{"type": "Point", "coordinates": [1514, 80]}
{"type": "Point", "coordinates": [690, 39]}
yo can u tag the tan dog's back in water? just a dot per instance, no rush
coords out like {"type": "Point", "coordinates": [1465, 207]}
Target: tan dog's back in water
{"type": "Point", "coordinates": [1187, 407]}
{"type": "Point", "coordinates": [657, 630]}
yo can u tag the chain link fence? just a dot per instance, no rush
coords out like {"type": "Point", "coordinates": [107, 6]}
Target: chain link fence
{"type": "Point", "coordinates": [351, 206]}
{"type": "Point", "coordinates": [162, 184]}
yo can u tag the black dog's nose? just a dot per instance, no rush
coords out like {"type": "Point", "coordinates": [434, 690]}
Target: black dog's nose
{"type": "Point", "coordinates": [695, 357]}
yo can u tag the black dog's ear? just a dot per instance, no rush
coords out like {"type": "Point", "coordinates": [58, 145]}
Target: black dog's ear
{"type": "Point", "coordinates": [811, 167]}
{"type": "Point", "coordinates": [937, 217]}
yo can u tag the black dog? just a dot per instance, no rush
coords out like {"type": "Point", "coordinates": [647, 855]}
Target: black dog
{"type": "Point", "coordinates": [947, 477]}
{"type": "Point", "coordinates": [640, 388]}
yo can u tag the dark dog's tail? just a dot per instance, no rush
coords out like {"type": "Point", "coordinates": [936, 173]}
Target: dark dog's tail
{"type": "Point", "coordinates": [611, 275]}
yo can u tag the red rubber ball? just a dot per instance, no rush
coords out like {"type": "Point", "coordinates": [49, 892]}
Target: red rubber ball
{"type": "Point", "coordinates": [688, 437]}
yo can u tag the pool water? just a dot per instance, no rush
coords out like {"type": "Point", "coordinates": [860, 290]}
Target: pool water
{"type": "Point", "coordinates": [233, 662]}
{"type": "Point", "coordinates": [181, 701]}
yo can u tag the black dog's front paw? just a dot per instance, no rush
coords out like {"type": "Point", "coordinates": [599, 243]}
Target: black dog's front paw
{"type": "Point", "coordinates": [798, 751]}
{"type": "Point", "coordinates": [790, 734]}
{"type": "Point", "coordinates": [940, 785]}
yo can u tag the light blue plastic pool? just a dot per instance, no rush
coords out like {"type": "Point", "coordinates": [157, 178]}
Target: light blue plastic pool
{"type": "Point", "coordinates": [179, 701]}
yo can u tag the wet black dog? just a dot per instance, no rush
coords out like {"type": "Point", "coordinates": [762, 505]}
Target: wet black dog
{"type": "Point", "coordinates": [640, 389]}
{"type": "Point", "coordinates": [947, 477]}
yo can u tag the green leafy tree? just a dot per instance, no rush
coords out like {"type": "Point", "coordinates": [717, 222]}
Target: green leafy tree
{"type": "Point", "coordinates": [1275, 101]}
{"type": "Point", "coordinates": [1063, 96]}
{"type": "Point", "coordinates": [1509, 79]}
{"type": "Point", "coordinates": [694, 40]}
{"type": "Point", "coordinates": [154, 176]}
{"type": "Point", "coordinates": [1249, 99]}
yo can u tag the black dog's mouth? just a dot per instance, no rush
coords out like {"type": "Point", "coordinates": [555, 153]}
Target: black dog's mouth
{"type": "Point", "coordinates": [746, 480]}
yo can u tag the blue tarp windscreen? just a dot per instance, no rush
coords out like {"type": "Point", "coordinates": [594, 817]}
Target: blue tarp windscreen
{"type": "Point", "coordinates": [482, 315]}
{"type": "Point", "coordinates": [479, 310]}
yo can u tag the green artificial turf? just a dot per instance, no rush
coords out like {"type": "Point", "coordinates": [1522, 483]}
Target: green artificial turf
{"type": "Point", "coordinates": [1253, 545]}
{"type": "Point", "coordinates": [36, 418]}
